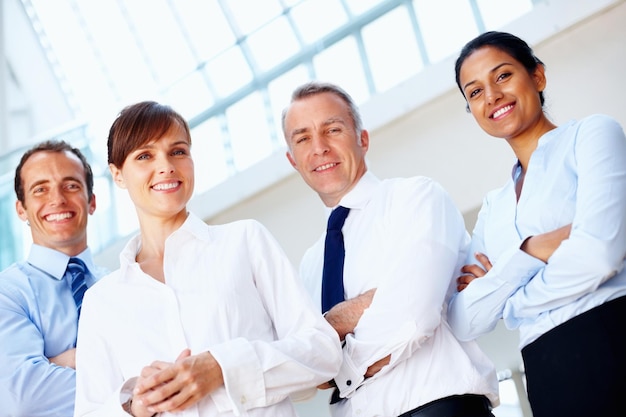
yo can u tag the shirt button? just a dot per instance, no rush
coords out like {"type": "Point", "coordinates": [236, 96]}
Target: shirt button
{"type": "Point", "coordinates": [243, 399]}
{"type": "Point", "coordinates": [348, 382]}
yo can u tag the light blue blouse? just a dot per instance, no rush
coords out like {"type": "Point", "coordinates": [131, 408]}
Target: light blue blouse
{"type": "Point", "coordinates": [576, 175]}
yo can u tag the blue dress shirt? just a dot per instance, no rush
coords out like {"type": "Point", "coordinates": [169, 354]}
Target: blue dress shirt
{"type": "Point", "coordinates": [38, 320]}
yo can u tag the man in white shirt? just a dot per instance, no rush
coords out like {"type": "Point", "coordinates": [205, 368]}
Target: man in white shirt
{"type": "Point", "coordinates": [405, 242]}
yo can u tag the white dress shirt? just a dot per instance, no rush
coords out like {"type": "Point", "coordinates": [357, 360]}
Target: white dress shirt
{"type": "Point", "coordinates": [576, 175]}
{"type": "Point", "coordinates": [406, 238]}
{"type": "Point", "coordinates": [229, 289]}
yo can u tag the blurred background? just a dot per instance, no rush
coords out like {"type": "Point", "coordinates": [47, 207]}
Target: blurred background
{"type": "Point", "coordinates": [229, 66]}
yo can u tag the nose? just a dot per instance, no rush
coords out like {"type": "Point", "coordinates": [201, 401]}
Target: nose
{"type": "Point", "coordinates": [165, 165]}
{"type": "Point", "coordinates": [492, 94]}
{"type": "Point", "coordinates": [320, 145]}
{"type": "Point", "coordinates": [57, 196]}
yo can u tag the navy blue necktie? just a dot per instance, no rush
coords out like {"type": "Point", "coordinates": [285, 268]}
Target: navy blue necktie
{"type": "Point", "coordinates": [77, 269]}
{"type": "Point", "coordinates": [334, 252]}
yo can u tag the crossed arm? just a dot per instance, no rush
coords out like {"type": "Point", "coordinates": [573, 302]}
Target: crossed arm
{"type": "Point", "coordinates": [344, 317]}
{"type": "Point", "coordinates": [539, 246]}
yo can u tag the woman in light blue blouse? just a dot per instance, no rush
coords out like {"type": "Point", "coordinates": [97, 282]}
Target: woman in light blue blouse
{"type": "Point", "coordinates": [549, 246]}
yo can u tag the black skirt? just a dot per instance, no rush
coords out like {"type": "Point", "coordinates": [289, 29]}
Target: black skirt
{"type": "Point", "coordinates": [579, 367]}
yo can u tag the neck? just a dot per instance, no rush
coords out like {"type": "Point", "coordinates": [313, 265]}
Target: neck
{"type": "Point", "coordinates": [524, 145]}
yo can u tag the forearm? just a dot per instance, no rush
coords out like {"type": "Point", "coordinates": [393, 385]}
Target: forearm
{"type": "Point", "coordinates": [477, 309]}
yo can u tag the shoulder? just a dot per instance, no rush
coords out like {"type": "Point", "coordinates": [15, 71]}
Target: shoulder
{"type": "Point", "coordinates": [415, 190]}
{"type": "Point", "coordinates": [597, 124]}
{"type": "Point", "coordinates": [14, 277]}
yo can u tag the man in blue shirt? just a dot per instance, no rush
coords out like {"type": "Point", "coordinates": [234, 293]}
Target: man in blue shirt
{"type": "Point", "coordinates": [38, 312]}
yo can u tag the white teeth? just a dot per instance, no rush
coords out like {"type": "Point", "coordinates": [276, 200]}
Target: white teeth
{"type": "Point", "coordinates": [502, 111]}
{"type": "Point", "coordinates": [167, 186]}
{"type": "Point", "coordinates": [324, 167]}
{"type": "Point", "coordinates": [58, 216]}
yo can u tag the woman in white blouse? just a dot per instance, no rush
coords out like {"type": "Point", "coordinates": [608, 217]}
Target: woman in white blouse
{"type": "Point", "coordinates": [198, 320]}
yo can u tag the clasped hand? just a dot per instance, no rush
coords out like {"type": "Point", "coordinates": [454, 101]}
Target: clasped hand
{"type": "Point", "coordinates": [174, 387]}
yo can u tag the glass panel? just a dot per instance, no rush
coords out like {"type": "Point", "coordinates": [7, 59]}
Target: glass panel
{"type": "Point", "coordinates": [208, 29]}
{"type": "Point", "coordinates": [361, 6]}
{"type": "Point", "coordinates": [446, 25]}
{"type": "Point", "coordinates": [76, 58]}
{"type": "Point", "coordinates": [161, 40]}
{"type": "Point", "coordinates": [341, 65]}
{"type": "Point", "coordinates": [208, 154]}
{"type": "Point", "coordinates": [497, 13]}
{"type": "Point", "coordinates": [252, 14]}
{"type": "Point", "coordinates": [316, 18]}
{"type": "Point", "coordinates": [249, 132]}
{"type": "Point", "coordinates": [392, 49]}
{"type": "Point", "coordinates": [283, 43]}
{"type": "Point", "coordinates": [229, 71]}
{"type": "Point", "coordinates": [119, 55]}
{"type": "Point", "coordinates": [190, 95]}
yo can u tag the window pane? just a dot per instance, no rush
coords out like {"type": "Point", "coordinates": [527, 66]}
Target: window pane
{"type": "Point", "coordinates": [252, 14]}
{"type": "Point", "coordinates": [161, 40]}
{"type": "Point", "coordinates": [208, 29]}
{"type": "Point", "coordinates": [317, 18]}
{"type": "Point", "coordinates": [497, 13]}
{"type": "Point", "coordinates": [273, 44]}
{"type": "Point", "coordinates": [209, 155]}
{"type": "Point", "coordinates": [190, 95]}
{"type": "Point", "coordinates": [360, 6]}
{"type": "Point", "coordinates": [392, 49]}
{"type": "Point", "coordinates": [446, 25]}
{"type": "Point", "coordinates": [341, 65]}
{"type": "Point", "coordinates": [228, 71]}
{"type": "Point", "coordinates": [249, 132]}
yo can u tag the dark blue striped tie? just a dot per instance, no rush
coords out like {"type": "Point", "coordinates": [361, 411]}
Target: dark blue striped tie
{"type": "Point", "coordinates": [334, 253]}
{"type": "Point", "coordinates": [77, 268]}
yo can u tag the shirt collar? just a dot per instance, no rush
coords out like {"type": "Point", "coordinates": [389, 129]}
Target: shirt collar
{"type": "Point", "coordinates": [192, 225]}
{"type": "Point", "coordinates": [54, 262]}
{"type": "Point", "coordinates": [360, 195]}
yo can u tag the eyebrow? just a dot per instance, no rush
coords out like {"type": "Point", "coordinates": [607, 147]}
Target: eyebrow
{"type": "Point", "coordinates": [494, 69]}
{"type": "Point", "coordinates": [47, 181]}
{"type": "Point", "coordinates": [327, 122]}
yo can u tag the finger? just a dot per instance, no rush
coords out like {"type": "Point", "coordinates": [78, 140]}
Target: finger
{"type": "Point", "coordinates": [484, 260]}
{"type": "Point", "coordinates": [474, 270]}
{"type": "Point", "coordinates": [461, 287]}
{"type": "Point", "coordinates": [184, 354]}
{"type": "Point", "coordinates": [156, 400]}
{"type": "Point", "coordinates": [153, 379]}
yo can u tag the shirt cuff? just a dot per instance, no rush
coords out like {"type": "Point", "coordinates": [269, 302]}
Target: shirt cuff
{"type": "Point", "coordinates": [243, 374]}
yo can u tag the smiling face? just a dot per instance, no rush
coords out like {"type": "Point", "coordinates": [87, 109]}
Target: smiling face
{"type": "Point", "coordinates": [159, 175]}
{"type": "Point", "coordinates": [56, 202]}
{"type": "Point", "coordinates": [324, 146]}
{"type": "Point", "coordinates": [502, 95]}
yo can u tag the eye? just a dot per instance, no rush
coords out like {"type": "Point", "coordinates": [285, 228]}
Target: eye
{"type": "Point", "coordinates": [73, 186]}
{"type": "Point", "coordinates": [301, 139]}
{"type": "Point", "coordinates": [474, 92]}
{"type": "Point", "coordinates": [39, 190]}
{"type": "Point", "coordinates": [143, 156]}
{"type": "Point", "coordinates": [503, 76]}
{"type": "Point", "coordinates": [179, 152]}
{"type": "Point", "coordinates": [334, 129]}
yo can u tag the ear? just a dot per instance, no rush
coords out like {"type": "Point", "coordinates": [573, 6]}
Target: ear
{"type": "Point", "coordinates": [118, 178]}
{"type": "Point", "coordinates": [92, 204]}
{"type": "Point", "coordinates": [539, 76]}
{"type": "Point", "coordinates": [291, 160]}
{"type": "Point", "coordinates": [364, 141]}
{"type": "Point", "coordinates": [21, 210]}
